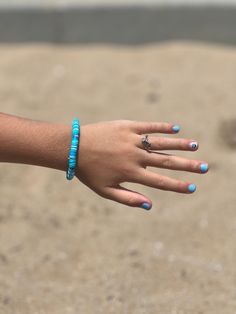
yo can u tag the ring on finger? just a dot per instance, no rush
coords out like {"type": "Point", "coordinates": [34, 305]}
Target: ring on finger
{"type": "Point", "coordinates": [146, 143]}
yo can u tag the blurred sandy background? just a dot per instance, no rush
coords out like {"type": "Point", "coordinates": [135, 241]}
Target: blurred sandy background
{"type": "Point", "coordinates": [65, 250]}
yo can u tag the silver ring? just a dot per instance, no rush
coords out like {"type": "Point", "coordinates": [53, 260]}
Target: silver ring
{"type": "Point", "coordinates": [146, 143]}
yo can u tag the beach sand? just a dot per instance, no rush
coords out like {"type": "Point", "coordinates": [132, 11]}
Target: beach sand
{"type": "Point", "coordinates": [66, 250]}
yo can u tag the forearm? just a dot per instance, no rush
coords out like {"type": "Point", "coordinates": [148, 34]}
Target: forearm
{"type": "Point", "coordinates": [34, 142]}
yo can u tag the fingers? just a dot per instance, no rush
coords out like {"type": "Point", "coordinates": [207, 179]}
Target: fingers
{"type": "Point", "coordinates": [174, 163]}
{"type": "Point", "coordinates": [154, 127]}
{"type": "Point", "coordinates": [127, 197]}
{"type": "Point", "coordinates": [161, 160]}
{"type": "Point", "coordinates": [165, 143]}
{"type": "Point", "coordinates": [157, 181]}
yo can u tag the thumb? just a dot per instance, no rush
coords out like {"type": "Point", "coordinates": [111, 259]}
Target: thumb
{"type": "Point", "coordinates": [127, 197]}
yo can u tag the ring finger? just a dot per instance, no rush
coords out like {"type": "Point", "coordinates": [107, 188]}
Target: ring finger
{"type": "Point", "coordinates": [157, 181]}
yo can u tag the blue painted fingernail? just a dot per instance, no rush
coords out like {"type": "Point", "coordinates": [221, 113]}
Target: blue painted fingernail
{"type": "Point", "coordinates": [204, 168]}
{"type": "Point", "coordinates": [192, 188]}
{"type": "Point", "coordinates": [194, 145]}
{"type": "Point", "coordinates": [176, 128]}
{"type": "Point", "coordinates": [146, 206]}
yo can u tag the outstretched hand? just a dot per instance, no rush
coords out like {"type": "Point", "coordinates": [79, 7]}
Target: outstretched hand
{"type": "Point", "coordinates": [111, 153]}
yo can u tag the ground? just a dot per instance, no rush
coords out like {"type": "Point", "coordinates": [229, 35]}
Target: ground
{"type": "Point", "coordinates": [66, 250]}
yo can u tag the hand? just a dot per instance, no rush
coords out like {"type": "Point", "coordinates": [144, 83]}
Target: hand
{"type": "Point", "coordinates": [111, 153]}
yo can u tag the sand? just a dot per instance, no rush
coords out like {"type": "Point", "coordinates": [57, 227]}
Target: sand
{"type": "Point", "coordinates": [66, 250]}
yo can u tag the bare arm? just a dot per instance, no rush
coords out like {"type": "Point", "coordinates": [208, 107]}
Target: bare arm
{"type": "Point", "coordinates": [110, 153]}
{"type": "Point", "coordinates": [34, 142]}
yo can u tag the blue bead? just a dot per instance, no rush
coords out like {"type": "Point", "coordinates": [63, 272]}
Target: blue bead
{"type": "Point", "coordinates": [69, 176]}
{"type": "Point", "coordinates": [73, 148]}
{"type": "Point", "coordinates": [72, 159]}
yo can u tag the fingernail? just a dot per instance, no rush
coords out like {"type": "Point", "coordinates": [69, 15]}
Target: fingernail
{"type": "Point", "coordinates": [204, 168]}
{"type": "Point", "coordinates": [194, 145]}
{"type": "Point", "coordinates": [192, 188]}
{"type": "Point", "coordinates": [146, 206]}
{"type": "Point", "coordinates": [176, 128]}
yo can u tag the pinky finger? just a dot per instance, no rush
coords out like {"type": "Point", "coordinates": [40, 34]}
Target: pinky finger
{"type": "Point", "coordinates": [127, 197]}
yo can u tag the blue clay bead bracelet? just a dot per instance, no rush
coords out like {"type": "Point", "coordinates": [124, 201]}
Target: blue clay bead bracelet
{"type": "Point", "coordinates": [73, 149]}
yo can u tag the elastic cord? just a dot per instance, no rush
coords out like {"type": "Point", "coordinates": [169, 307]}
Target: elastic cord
{"type": "Point", "coordinates": [73, 149]}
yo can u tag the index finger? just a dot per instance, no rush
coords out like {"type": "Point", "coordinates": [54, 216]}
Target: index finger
{"type": "Point", "coordinates": [155, 127]}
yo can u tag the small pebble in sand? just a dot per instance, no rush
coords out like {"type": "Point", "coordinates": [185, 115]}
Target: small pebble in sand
{"type": "Point", "coordinates": [152, 97]}
{"type": "Point", "coordinates": [228, 132]}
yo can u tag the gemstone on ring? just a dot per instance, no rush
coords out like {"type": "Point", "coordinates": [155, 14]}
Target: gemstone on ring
{"type": "Point", "coordinates": [146, 143]}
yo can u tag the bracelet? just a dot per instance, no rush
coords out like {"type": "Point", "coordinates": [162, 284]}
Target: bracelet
{"type": "Point", "coordinates": [73, 149]}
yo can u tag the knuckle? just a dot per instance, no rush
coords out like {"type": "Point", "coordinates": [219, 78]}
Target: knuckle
{"type": "Point", "coordinates": [152, 127]}
{"type": "Point", "coordinates": [127, 173]}
{"type": "Point", "coordinates": [188, 165]}
{"type": "Point", "coordinates": [181, 187]}
{"type": "Point", "coordinates": [123, 124]}
{"type": "Point", "coordinates": [143, 158]}
{"type": "Point", "coordinates": [193, 165]}
{"type": "Point", "coordinates": [159, 143]}
{"type": "Point", "coordinates": [162, 183]}
{"type": "Point", "coordinates": [167, 162]}
{"type": "Point", "coordinates": [130, 124]}
{"type": "Point", "coordinates": [184, 144]}
{"type": "Point", "coordinates": [131, 200]}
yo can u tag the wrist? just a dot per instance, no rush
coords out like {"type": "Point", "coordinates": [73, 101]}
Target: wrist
{"type": "Point", "coordinates": [57, 147]}
{"type": "Point", "coordinates": [52, 146]}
